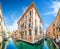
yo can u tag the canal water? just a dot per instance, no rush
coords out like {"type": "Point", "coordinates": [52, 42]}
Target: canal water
{"type": "Point", "coordinates": [45, 45]}
{"type": "Point", "coordinates": [11, 45]}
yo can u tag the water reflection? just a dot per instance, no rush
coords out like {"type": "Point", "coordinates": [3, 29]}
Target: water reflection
{"type": "Point", "coordinates": [45, 45]}
{"type": "Point", "coordinates": [48, 44]}
{"type": "Point", "coordinates": [11, 45]}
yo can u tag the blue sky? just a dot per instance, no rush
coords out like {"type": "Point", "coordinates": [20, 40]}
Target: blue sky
{"type": "Point", "coordinates": [14, 9]}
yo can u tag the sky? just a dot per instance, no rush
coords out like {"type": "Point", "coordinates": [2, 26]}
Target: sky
{"type": "Point", "coordinates": [13, 9]}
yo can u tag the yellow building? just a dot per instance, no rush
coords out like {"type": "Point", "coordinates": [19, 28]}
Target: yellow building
{"type": "Point", "coordinates": [30, 25]}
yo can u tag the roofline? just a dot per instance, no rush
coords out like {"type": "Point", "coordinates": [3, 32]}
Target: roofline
{"type": "Point", "coordinates": [54, 20]}
{"type": "Point", "coordinates": [33, 4]}
{"type": "Point", "coordinates": [24, 13]}
{"type": "Point", "coordinates": [57, 15]}
{"type": "Point", "coordinates": [38, 12]}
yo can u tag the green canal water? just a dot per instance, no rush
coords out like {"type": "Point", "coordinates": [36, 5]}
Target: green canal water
{"type": "Point", "coordinates": [42, 44]}
{"type": "Point", "coordinates": [26, 45]}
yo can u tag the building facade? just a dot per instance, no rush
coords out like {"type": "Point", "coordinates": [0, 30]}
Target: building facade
{"type": "Point", "coordinates": [16, 35]}
{"type": "Point", "coordinates": [57, 26]}
{"type": "Point", "coordinates": [51, 31]}
{"type": "Point", "coordinates": [30, 25]}
{"type": "Point", "coordinates": [54, 29]}
{"type": "Point", "coordinates": [3, 29]}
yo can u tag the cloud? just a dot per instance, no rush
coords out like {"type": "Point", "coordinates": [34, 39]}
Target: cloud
{"type": "Point", "coordinates": [55, 6]}
{"type": "Point", "coordinates": [13, 20]}
{"type": "Point", "coordinates": [13, 26]}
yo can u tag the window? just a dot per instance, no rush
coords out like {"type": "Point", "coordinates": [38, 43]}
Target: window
{"type": "Point", "coordinates": [29, 25]}
{"type": "Point", "coordinates": [25, 26]}
{"type": "Point", "coordinates": [49, 32]}
{"type": "Point", "coordinates": [53, 29]}
{"type": "Point", "coordinates": [25, 33]}
{"type": "Point", "coordinates": [29, 22]}
{"type": "Point", "coordinates": [29, 32]}
{"type": "Point", "coordinates": [36, 31]}
{"type": "Point", "coordinates": [53, 24]}
{"type": "Point", "coordinates": [40, 30]}
{"type": "Point", "coordinates": [31, 13]}
{"type": "Point", "coordinates": [54, 33]}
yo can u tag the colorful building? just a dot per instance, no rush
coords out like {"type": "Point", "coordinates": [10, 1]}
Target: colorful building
{"type": "Point", "coordinates": [53, 31]}
{"type": "Point", "coordinates": [30, 25]}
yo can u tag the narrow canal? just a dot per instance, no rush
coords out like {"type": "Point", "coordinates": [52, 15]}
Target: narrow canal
{"type": "Point", "coordinates": [11, 45]}
{"type": "Point", "coordinates": [47, 44]}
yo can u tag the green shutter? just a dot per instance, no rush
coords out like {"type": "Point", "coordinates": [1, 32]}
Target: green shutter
{"type": "Point", "coordinates": [30, 13]}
